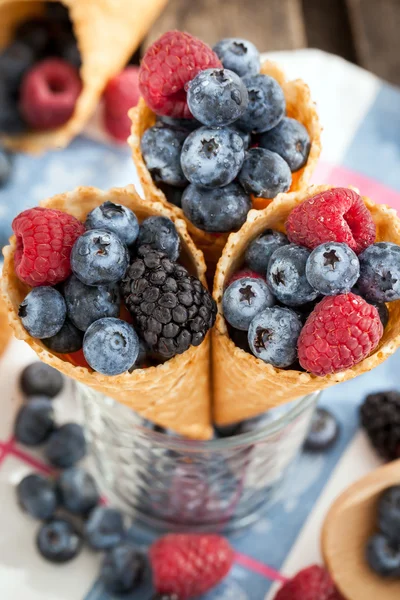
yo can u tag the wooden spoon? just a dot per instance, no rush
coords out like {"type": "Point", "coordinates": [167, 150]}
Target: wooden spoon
{"type": "Point", "coordinates": [348, 525]}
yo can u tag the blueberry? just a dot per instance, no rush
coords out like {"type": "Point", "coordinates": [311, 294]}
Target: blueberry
{"type": "Point", "coordinates": [35, 33]}
{"type": "Point", "coordinates": [57, 12]}
{"type": "Point", "coordinates": [160, 233]}
{"type": "Point", "coordinates": [332, 268]}
{"type": "Point", "coordinates": [389, 513]}
{"type": "Point", "coordinates": [244, 299]}
{"type": "Point", "coordinates": [78, 491]}
{"type": "Point", "coordinates": [34, 422]}
{"type": "Point", "coordinates": [161, 150]}
{"type": "Point", "coordinates": [218, 210]}
{"type": "Point", "coordinates": [115, 218]}
{"type": "Point", "coordinates": [245, 135]}
{"type": "Point", "coordinates": [11, 121]}
{"type": "Point", "coordinates": [260, 250]}
{"type": "Point", "coordinates": [86, 304]}
{"type": "Point", "coordinates": [141, 360]}
{"type": "Point", "coordinates": [264, 174]}
{"type": "Point", "coordinates": [110, 346]}
{"type": "Point", "coordinates": [69, 51]}
{"type": "Point", "coordinates": [183, 124]}
{"type": "Point", "coordinates": [383, 312]}
{"type": "Point", "coordinates": [324, 431]}
{"type": "Point", "coordinates": [43, 312]}
{"type": "Point", "coordinates": [6, 164]}
{"type": "Point", "coordinates": [273, 335]}
{"type": "Point", "coordinates": [225, 431]}
{"type": "Point", "coordinates": [238, 55]}
{"type": "Point", "coordinates": [58, 541]}
{"type": "Point", "coordinates": [383, 556]}
{"type": "Point", "coordinates": [290, 140]}
{"type": "Point", "coordinates": [212, 157]}
{"type": "Point", "coordinates": [217, 97]}
{"type": "Point", "coordinates": [105, 528]}
{"type": "Point", "coordinates": [172, 194]}
{"type": "Point", "coordinates": [99, 258]}
{"type": "Point", "coordinates": [123, 568]}
{"type": "Point", "coordinates": [15, 60]}
{"type": "Point", "coordinates": [239, 338]}
{"type": "Point", "coordinates": [286, 275]}
{"type": "Point", "coordinates": [380, 272]}
{"type": "Point", "coordinates": [266, 106]}
{"type": "Point", "coordinates": [39, 378]}
{"type": "Point", "coordinates": [69, 339]}
{"type": "Point", "coordinates": [66, 446]}
{"type": "Point", "coordinates": [37, 495]}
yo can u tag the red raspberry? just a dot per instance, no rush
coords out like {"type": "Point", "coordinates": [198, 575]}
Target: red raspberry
{"type": "Point", "coordinates": [173, 60]}
{"type": "Point", "coordinates": [121, 93]}
{"type": "Point", "coordinates": [244, 273]}
{"type": "Point", "coordinates": [49, 92]}
{"type": "Point", "coordinates": [313, 583]}
{"type": "Point", "coordinates": [44, 241]}
{"type": "Point", "coordinates": [189, 565]}
{"type": "Point", "coordinates": [337, 215]}
{"type": "Point", "coordinates": [339, 333]}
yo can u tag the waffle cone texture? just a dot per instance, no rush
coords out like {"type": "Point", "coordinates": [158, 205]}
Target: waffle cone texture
{"type": "Point", "coordinates": [245, 386]}
{"type": "Point", "coordinates": [107, 32]}
{"type": "Point", "coordinates": [176, 394]}
{"type": "Point", "coordinates": [299, 106]}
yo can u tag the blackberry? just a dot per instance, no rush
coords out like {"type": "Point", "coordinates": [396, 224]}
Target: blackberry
{"type": "Point", "coordinates": [380, 416]}
{"type": "Point", "coordinates": [171, 309]}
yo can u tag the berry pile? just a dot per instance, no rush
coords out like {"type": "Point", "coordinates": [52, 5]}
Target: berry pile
{"type": "Point", "coordinates": [316, 295]}
{"type": "Point", "coordinates": [171, 309]}
{"type": "Point", "coordinates": [221, 133]}
{"type": "Point", "coordinates": [383, 548]}
{"type": "Point", "coordinates": [380, 417]}
{"type": "Point", "coordinates": [312, 583]}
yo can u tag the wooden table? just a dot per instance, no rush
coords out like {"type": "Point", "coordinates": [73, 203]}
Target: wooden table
{"type": "Point", "coordinates": [363, 31]}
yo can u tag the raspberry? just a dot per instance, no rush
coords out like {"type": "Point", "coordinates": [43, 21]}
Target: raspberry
{"type": "Point", "coordinates": [189, 565]}
{"type": "Point", "coordinates": [339, 333]}
{"type": "Point", "coordinates": [244, 273]}
{"type": "Point", "coordinates": [313, 583]}
{"type": "Point", "coordinates": [337, 215]}
{"type": "Point", "coordinates": [44, 241]}
{"type": "Point", "coordinates": [171, 62]}
{"type": "Point", "coordinates": [49, 92]}
{"type": "Point", "coordinates": [121, 93]}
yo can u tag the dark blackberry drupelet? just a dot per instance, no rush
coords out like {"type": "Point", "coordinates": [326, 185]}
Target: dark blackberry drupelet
{"type": "Point", "coordinates": [380, 416]}
{"type": "Point", "coordinates": [171, 309]}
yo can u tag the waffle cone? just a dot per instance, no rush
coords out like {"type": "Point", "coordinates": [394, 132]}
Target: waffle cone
{"type": "Point", "coordinates": [235, 370]}
{"type": "Point", "coordinates": [176, 394]}
{"type": "Point", "coordinates": [107, 32]}
{"type": "Point", "coordinates": [5, 329]}
{"type": "Point", "coordinates": [299, 106]}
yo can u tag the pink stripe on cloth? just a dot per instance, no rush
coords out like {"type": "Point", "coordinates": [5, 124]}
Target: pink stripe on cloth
{"type": "Point", "coordinates": [257, 567]}
{"type": "Point", "coordinates": [30, 460]}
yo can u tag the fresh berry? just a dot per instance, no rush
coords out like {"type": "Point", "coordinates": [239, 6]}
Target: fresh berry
{"type": "Point", "coordinates": [244, 273]}
{"type": "Point", "coordinates": [273, 335]}
{"type": "Point", "coordinates": [172, 61]}
{"type": "Point", "coordinates": [37, 495]}
{"type": "Point", "coordinates": [122, 569]}
{"type": "Point", "coordinates": [380, 417]}
{"type": "Point", "coordinates": [218, 210]}
{"type": "Point", "coordinates": [336, 215]}
{"type": "Point", "coordinates": [70, 52]}
{"type": "Point", "coordinates": [239, 338]}
{"type": "Point", "coordinates": [115, 218]}
{"type": "Point", "coordinates": [44, 242]}
{"type": "Point", "coordinates": [244, 299]}
{"type": "Point", "coordinates": [389, 513]}
{"type": "Point", "coordinates": [141, 360]}
{"type": "Point", "coordinates": [260, 250]}
{"type": "Point", "coordinates": [217, 97]}
{"type": "Point", "coordinates": [226, 431]}
{"type": "Point", "coordinates": [245, 135]}
{"type": "Point", "coordinates": [49, 92]}
{"type": "Point", "coordinates": [332, 268]}
{"type": "Point", "coordinates": [42, 312]}
{"type": "Point", "coordinates": [172, 194]}
{"type": "Point", "coordinates": [160, 233]}
{"type": "Point", "coordinates": [6, 165]}
{"type": "Point", "coordinates": [383, 312]}
{"type": "Point", "coordinates": [266, 106]}
{"type": "Point", "coordinates": [161, 150]}
{"type": "Point", "coordinates": [212, 156]}
{"type": "Point", "coordinates": [324, 431]}
{"type": "Point", "coordinates": [238, 55]}
{"type": "Point", "coordinates": [383, 556]}
{"type": "Point", "coordinates": [57, 12]}
{"type": "Point", "coordinates": [286, 275]}
{"type": "Point", "coordinates": [313, 583]}
{"type": "Point", "coordinates": [380, 272]}
{"type": "Point", "coordinates": [58, 541]}
{"type": "Point", "coordinates": [37, 33]}
{"type": "Point", "coordinates": [11, 121]}
{"type": "Point", "coordinates": [69, 339]}
{"type": "Point", "coordinates": [290, 140]}
{"type": "Point", "coordinates": [187, 125]}
{"type": "Point", "coordinates": [340, 332]}
{"type": "Point", "coordinates": [110, 346]}
{"type": "Point", "coordinates": [171, 308]}
{"type": "Point", "coordinates": [15, 60]}
{"type": "Point", "coordinates": [99, 258]}
{"type": "Point", "coordinates": [78, 491]}
{"type": "Point", "coordinates": [121, 94]}
{"type": "Point", "coordinates": [40, 379]}
{"type": "Point", "coordinates": [104, 528]}
{"type": "Point", "coordinates": [264, 173]}
{"type": "Point", "coordinates": [189, 565]}
{"type": "Point", "coordinates": [86, 303]}
{"type": "Point", "coordinates": [66, 446]}
{"type": "Point", "coordinates": [34, 422]}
